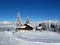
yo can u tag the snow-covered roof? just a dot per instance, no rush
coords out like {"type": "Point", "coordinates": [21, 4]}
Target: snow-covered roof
{"type": "Point", "coordinates": [22, 26]}
{"type": "Point", "coordinates": [30, 25]}
{"type": "Point", "coordinates": [39, 27]}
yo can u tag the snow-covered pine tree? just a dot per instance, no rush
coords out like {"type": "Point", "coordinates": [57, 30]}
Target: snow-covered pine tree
{"type": "Point", "coordinates": [19, 22]}
{"type": "Point", "coordinates": [27, 20]}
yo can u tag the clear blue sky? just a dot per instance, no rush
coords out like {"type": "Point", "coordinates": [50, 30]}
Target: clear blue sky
{"type": "Point", "coordinates": [36, 10]}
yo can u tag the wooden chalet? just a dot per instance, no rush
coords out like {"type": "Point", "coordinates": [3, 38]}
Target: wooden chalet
{"type": "Point", "coordinates": [26, 26]}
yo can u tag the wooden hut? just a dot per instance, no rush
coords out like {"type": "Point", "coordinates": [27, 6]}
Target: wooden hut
{"type": "Point", "coordinates": [25, 27]}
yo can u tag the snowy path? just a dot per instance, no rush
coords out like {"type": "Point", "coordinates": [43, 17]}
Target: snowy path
{"type": "Point", "coordinates": [26, 38]}
{"type": "Point", "coordinates": [39, 36]}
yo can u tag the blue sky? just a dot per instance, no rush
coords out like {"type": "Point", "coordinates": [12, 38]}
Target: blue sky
{"type": "Point", "coordinates": [36, 10]}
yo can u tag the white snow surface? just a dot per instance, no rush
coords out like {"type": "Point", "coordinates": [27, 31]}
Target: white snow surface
{"type": "Point", "coordinates": [30, 25]}
{"type": "Point", "coordinates": [29, 38]}
{"type": "Point", "coordinates": [22, 26]}
{"type": "Point", "coordinates": [39, 27]}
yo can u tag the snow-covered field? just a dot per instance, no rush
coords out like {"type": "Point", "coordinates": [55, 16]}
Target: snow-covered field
{"type": "Point", "coordinates": [29, 38]}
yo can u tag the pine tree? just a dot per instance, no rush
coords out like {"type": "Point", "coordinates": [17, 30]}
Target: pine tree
{"type": "Point", "coordinates": [19, 23]}
{"type": "Point", "coordinates": [27, 21]}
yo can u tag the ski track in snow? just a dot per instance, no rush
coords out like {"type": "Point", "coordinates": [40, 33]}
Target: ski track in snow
{"type": "Point", "coordinates": [22, 40]}
{"type": "Point", "coordinates": [36, 39]}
